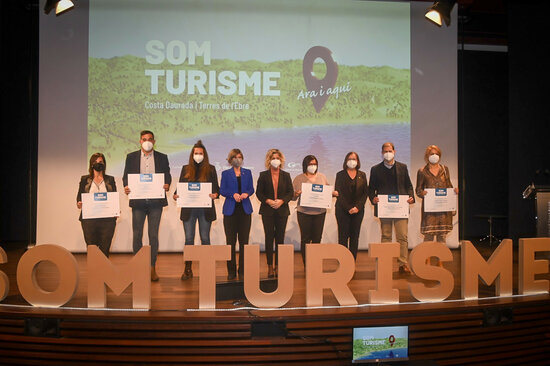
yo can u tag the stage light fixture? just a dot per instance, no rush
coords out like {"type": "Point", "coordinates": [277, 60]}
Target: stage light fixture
{"type": "Point", "coordinates": [60, 6]}
{"type": "Point", "coordinates": [440, 11]}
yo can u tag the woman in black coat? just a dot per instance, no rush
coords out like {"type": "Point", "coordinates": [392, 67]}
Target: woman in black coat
{"type": "Point", "coordinates": [198, 170]}
{"type": "Point", "coordinates": [274, 190]}
{"type": "Point", "coordinates": [98, 231]}
{"type": "Point", "coordinates": [352, 190]}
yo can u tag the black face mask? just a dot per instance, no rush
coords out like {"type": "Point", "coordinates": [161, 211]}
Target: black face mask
{"type": "Point", "coordinates": [98, 167]}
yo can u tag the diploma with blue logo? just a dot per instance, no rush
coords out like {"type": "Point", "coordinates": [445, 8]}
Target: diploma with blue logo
{"type": "Point", "coordinates": [393, 206]}
{"type": "Point", "coordinates": [100, 204]}
{"type": "Point", "coordinates": [440, 200]}
{"type": "Point", "coordinates": [316, 195]}
{"type": "Point", "coordinates": [194, 194]}
{"type": "Point", "coordinates": [146, 186]}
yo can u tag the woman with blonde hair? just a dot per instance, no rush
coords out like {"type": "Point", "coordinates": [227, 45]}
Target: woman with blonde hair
{"type": "Point", "coordinates": [237, 187]}
{"type": "Point", "coordinates": [434, 225]}
{"type": "Point", "coordinates": [274, 190]}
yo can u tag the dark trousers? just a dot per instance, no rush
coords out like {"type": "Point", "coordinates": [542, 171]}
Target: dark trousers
{"type": "Point", "coordinates": [349, 227]}
{"type": "Point", "coordinates": [237, 226]}
{"type": "Point", "coordinates": [189, 226]}
{"type": "Point", "coordinates": [274, 229]}
{"type": "Point", "coordinates": [311, 230]}
{"type": "Point", "coordinates": [153, 214]}
{"type": "Point", "coordinates": [99, 232]}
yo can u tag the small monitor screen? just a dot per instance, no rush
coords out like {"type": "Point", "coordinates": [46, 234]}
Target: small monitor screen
{"type": "Point", "coordinates": [379, 344]}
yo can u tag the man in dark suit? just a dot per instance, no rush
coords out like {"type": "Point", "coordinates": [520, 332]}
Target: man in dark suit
{"type": "Point", "coordinates": [147, 161]}
{"type": "Point", "coordinates": [392, 177]}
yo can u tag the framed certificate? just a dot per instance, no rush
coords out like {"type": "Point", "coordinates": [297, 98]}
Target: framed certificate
{"type": "Point", "coordinates": [194, 194]}
{"type": "Point", "coordinates": [393, 206]}
{"type": "Point", "coordinates": [316, 195]}
{"type": "Point", "coordinates": [143, 186]}
{"type": "Point", "coordinates": [440, 200]}
{"type": "Point", "coordinates": [100, 204]}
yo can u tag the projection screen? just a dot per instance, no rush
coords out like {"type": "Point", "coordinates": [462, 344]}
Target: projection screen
{"type": "Point", "coordinates": [306, 77]}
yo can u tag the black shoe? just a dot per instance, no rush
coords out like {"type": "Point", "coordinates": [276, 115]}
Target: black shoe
{"type": "Point", "coordinates": [405, 270]}
{"type": "Point", "coordinates": [187, 274]}
{"type": "Point", "coordinates": [154, 276]}
{"type": "Point", "coordinates": [231, 276]}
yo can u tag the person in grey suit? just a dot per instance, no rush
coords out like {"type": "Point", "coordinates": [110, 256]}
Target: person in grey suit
{"type": "Point", "coordinates": [147, 161]}
{"type": "Point", "coordinates": [392, 177]}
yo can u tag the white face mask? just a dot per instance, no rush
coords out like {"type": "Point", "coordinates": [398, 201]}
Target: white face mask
{"type": "Point", "coordinates": [352, 163]}
{"type": "Point", "coordinates": [311, 169]}
{"type": "Point", "coordinates": [434, 159]}
{"type": "Point", "coordinates": [198, 158]}
{"type": "Point", "coordinates": [275, 163]}
{"type": "Point", "coordinates": [147, 146]}
{"type": "Point", "coordinates": [389, 156]}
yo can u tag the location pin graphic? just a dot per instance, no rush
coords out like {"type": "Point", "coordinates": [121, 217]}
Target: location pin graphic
{"type": "Point", "coordinates": [312, 83]}
{"type": "Point", "coordinates": [391, 339]}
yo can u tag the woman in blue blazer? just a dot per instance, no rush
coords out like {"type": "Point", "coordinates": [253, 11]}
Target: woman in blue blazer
{"type": "Point", "coordinates": [236, 186]}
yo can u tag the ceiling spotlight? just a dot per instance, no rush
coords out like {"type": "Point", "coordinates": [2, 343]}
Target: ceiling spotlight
{"type": "Point", "coordinates": [60, 6]}
{"type": "Point", "coordinates": [440, 11]}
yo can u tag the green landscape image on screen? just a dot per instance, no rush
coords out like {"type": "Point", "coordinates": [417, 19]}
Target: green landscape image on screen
{"type": "Point", "coordinates": [120, 100]}
{"type": "Point", "coordinates": [363, 350]}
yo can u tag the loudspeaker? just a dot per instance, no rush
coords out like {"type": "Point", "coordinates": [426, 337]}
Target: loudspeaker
{"type": "Point", "coordinates": [234, 290]}
{"type": "Point", "coordinates": [42, 327]}
{"type": "Point", "coordinates": [262, 329]}
{"type": "Point", "coordinates": [498, 316]}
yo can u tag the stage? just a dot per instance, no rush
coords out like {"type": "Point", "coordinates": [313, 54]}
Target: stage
{"type": "Point", "coordinates": [505, 330]}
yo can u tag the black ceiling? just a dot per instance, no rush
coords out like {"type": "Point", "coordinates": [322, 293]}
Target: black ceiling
{"type": "Point", "coordinates": [482, 22]}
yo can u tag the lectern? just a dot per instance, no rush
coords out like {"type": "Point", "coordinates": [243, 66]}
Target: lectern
{"type": "Point", "coordinates": [541, 195]}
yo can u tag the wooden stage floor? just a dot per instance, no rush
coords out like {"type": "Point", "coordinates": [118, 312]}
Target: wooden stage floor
{"type": "Point", "coordinates": [507, 330]}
